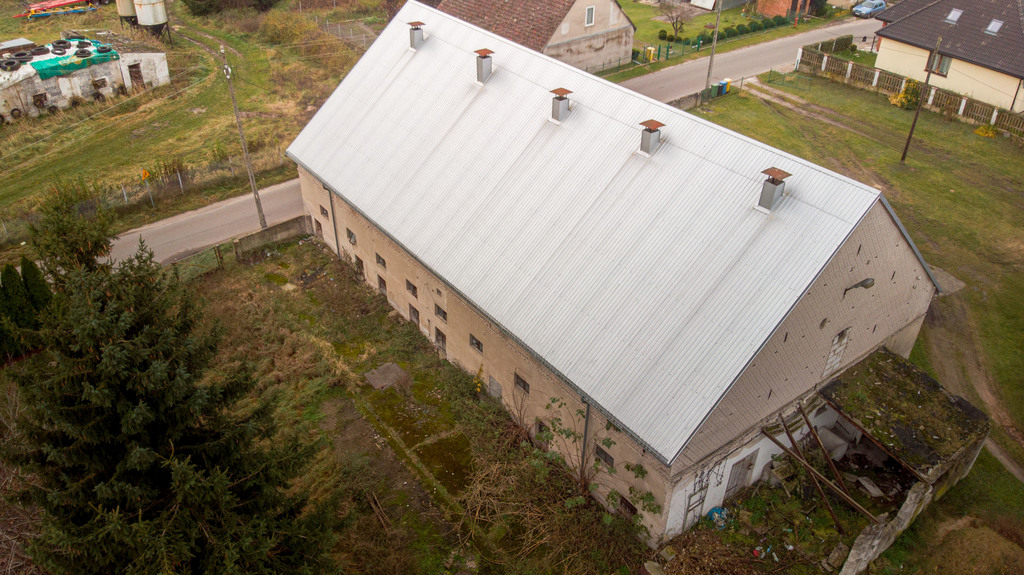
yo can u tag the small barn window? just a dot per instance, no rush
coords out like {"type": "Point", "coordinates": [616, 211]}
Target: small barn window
{"type": "Point", "coordinates": [590, 15]}
{"type": "Point", "coordinates": [604, 456]}
{"type": "Point", "coordinates": [411, 288]}
{"type": "Point", "coordinates": [414, 315]}
{"type": "Point", "coordinates": [476, 343]}
{"type": "Point", "coordinates": [440, 339]}
{"type": "Point", "coordinates": [382, 286]}
{"type": "Point", "coordinates": [351, 236]}
{"type": "Point", "coordinates": [522, 383]}
{"type": "Point", "coordinates": [439, 312]}
{"type": "Point", "coordinates": [627, 509]}
{"type": "Point", "coordinates": [324, 212]}
{"type": "Point", "coordinates": [381, 262]}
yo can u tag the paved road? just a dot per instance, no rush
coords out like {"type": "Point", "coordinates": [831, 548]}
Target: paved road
{"type": "Point", "coordinates": [684, 79]}
{"type": "Point", "coordinates": [190, 232]}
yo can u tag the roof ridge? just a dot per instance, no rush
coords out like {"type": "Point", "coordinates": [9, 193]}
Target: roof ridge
{"type": "Point", "coordinates": [922, 8]}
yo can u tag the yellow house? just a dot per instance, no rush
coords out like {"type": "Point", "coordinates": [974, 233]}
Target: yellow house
{"type": "Point", "coordinates": [980, 47]}
{"type": "Point", "coordinates": [589, 34]}
{"type": "Point", "coordinates": [675, 286]}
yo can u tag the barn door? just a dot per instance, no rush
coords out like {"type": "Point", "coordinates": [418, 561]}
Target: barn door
{"type": "Point", "coordinates": [739, 477]}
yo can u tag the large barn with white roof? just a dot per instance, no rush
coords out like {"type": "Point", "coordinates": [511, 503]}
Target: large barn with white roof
{"type": "Point", "coordinates": [678, 284]}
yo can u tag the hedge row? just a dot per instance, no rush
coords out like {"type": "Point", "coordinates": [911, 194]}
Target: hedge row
{"type": "Point", "coordinates": [706, 37]}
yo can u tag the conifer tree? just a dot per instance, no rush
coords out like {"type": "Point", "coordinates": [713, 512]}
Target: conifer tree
{"type": "Point", "coordinates": [143, 463]}
{"type": "Point", "coordinates": [73, 230]}
{"type": "Point", "coordinates": [39, 292]}
{"type": "Point", "coordinates": [19, 308]}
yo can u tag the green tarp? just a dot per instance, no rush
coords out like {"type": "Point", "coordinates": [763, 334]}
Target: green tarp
{"type": "Point", "coordinates": [62, 65]}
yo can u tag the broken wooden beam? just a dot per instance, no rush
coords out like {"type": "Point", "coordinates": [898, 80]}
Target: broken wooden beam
{"type": "Point", "coordinates": [853, 503]}
{"type": "Point", "coordinates": [821, 492]}
{"type": "Point", "coordinates": [828, 458]}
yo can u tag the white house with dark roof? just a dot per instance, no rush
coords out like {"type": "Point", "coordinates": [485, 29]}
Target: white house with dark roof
{"type": "Point", "coordinates": [678, 283]}
{"type": "Point", "coordinates": [981, 54]}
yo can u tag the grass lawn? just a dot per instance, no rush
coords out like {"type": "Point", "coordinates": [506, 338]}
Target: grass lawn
{"type": "Point", "coordinates": [959, 196]}
{"type": "Point", "coordinates": [647, 34]}
{"type": "Point", "coordinates": [279, 78]}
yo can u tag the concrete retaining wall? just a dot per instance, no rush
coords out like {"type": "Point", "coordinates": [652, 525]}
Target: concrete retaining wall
{"type": "Point", "coordinates": [247, 246]}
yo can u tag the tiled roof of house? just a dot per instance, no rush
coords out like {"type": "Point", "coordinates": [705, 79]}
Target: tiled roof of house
{"type": "Point", "coordinates": [967, 36]}
{"type": "Point", "coordinates": [530, 23]}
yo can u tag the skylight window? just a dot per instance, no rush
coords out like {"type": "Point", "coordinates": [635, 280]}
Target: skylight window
{"type": "Point", "coordinates": [993, 27]}
{"type": "Point", "coordinates": [954, 15]}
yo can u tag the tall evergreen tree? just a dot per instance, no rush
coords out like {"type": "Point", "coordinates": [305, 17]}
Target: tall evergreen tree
{"type": "Point", "coordinates": [73, 230]}
{"type": "Point", "coordinates": [142, 462]}
{"type": "Point", "coordinates": [143, 465]}
{"type": "Point", "coordinates": [18, 306]}
{"type": "Point", "coordinates": [38, 289]}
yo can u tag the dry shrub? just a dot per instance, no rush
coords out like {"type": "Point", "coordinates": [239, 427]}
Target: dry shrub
{"type": "Point", "coordinates": [281, 28]}
{"type": "Point", "coordinates": [701, 552]}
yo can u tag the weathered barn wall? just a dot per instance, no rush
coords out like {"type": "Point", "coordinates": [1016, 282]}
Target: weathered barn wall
{"type": "Point", "coordinates": [502, 358]}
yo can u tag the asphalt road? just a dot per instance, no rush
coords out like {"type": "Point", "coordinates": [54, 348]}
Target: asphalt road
{"type": "Point", "coordinates": [187, 233]}
{"type": "Point", "coordinates": [684, 79]}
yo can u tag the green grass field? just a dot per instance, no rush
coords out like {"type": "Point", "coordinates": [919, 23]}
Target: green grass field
{"type": "Point", "coordinates": [283, 69]}
{"type": "Point", "coordinates": [959, 196]}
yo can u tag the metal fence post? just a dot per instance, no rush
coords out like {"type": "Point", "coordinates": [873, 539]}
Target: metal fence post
{"type": "Point", "coordinates": [931, 96]}
{"type": "Point", "coordinates": [799, 54]}
{"type": "Point", "coordinates": [874, 82]}
{"type": "Point", "coordinates": [124, 193]}
{"type": "Point", "coordinates": [5, 227]}
{"type": "Point", "coordinates": [151, 203]}
{"type": "Point", "coordinates": [824, 61]}
{"type": "Point", "coordinates": [180, 185]}
{"type": "Point", "coordinates": [995, 114]}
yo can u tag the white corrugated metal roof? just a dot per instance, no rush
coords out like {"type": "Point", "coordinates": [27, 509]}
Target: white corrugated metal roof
{"type": "Point", "coordinates": [648, 282]}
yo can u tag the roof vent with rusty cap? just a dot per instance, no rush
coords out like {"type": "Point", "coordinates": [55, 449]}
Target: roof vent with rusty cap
{"type": "Point", "coordinates": [650, 138]}
{"type": "Point", "coordinates": [483, 65]}
{"type": "Point", "coordinates": [415, 35]}
{"type": "Point", "coordinates": [771, 190]}
{"type": "Point", "coordinates": [560, 105]}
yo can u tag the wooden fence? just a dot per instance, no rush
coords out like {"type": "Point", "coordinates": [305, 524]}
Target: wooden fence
{"type": "Point", "coordinates": [936, 99]}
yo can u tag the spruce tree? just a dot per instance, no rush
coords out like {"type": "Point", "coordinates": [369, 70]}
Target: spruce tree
{"type": "Point", "coordinates": [38, 289]}
{"type": "Point", "coordinates": [143, 462]}
{"type": "Point", "coordinates": [73, 230]}
{"type": "Point", "coordinates": [19, 308]}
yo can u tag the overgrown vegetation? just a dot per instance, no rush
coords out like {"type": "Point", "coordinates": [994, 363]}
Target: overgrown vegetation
{"type": "Point", "coordinates": [500, 500]}
{"type": "Point", "coordinates": [138, 460]}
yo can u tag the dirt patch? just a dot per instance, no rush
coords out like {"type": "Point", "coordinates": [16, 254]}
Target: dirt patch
{"type": "Point", "coordinates": [803, 107]}
{"type": "Point", "coordinates": [976, 550]}
{"type": "Point", "coordinates": [957, 361]}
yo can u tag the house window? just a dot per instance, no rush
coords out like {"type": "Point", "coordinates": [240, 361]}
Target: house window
{"type": "Point", "coordinates": [440, 339]}
{"type": "Point", "coordinates": [626, 508]}
{"type": "Point", "coordinates": [359, 267]}
{"type": "Point", "coordinates": [590, 15]}
{"type": "Point", "coordinates": [382, 286]}
{"type": "Point", "coordinates": [324, 212]}
{"type": "Point", "coordinates": [522, 384]}
{"type": "Point", "coordinates": [414, 315]}
{"type": "Point", "coordinates": [940, 64]}
{"type": "Point", "coordinates": [476, 343]}
{"type": "Point", "coordinates": [409, 287]}
{"type": "Point", "coordinates": [351, 236]}
{"type": "Point", "coordinates": [381, 262]}
{"type": "Point", "coordinates": [440, 312]}
{"type": "Point", "coordinates": [954, 15]}
{"type": "Point", "coordinates": [993, 27]}
{"type": "Point", "coordinates": [604, 456]}
{"type": "Point", "coordinates": [539, 437]}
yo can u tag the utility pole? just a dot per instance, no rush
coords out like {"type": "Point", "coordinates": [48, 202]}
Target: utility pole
{"type": "Point", "coordinates": [932, 63]}
{"type": "Point", "coordinates": [241, 136]}
{"type": "Point", "coordinates": [714, 44]}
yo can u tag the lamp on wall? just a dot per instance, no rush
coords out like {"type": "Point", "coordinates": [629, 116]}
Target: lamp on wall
{"type": "Point", "coordinates": [866, 283]}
